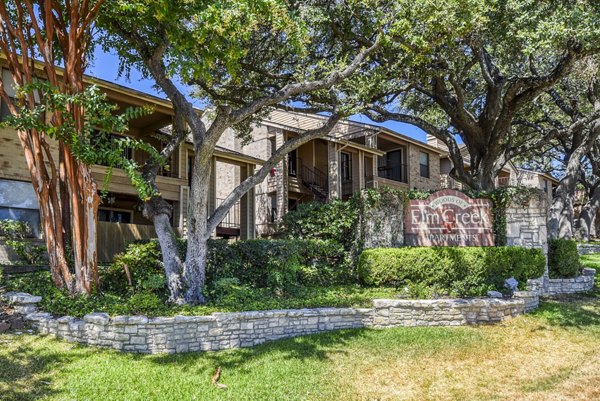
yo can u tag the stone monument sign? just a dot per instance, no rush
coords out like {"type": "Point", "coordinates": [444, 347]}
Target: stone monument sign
{"type": "Point", "coordinates": [449, 218]}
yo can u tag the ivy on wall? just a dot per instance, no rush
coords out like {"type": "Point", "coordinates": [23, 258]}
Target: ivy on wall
{"type": "Point", "coordinates": [343, 221]}
{"type": "Point", "coordinates": [501, 199]}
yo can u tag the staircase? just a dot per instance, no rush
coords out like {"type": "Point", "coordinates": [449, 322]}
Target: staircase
{"type": "Point", "coordinates": [317, 181]}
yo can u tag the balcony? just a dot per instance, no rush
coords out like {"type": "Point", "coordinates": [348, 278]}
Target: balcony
{"type": "Point", "coordinates": [394, 172]}
{"type": "Point", "coordinates": [230, 225]}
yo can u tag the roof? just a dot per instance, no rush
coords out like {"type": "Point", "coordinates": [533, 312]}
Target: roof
{"type": "Point", "coordinates": [545, 175]}
{"type": "Point", "coordinates": [345, 129]}
{"type": "Point", "coordinates": [233, 154]}
{"type": "Point", "coordinates": [220, 150]}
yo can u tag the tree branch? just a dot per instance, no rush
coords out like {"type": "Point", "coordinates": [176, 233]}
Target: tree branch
{"type": "Point", "coordinates": [299, 140]}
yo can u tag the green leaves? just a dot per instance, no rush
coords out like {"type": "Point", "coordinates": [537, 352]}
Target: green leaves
{"type": "Point", "coordinates": [95, 142]}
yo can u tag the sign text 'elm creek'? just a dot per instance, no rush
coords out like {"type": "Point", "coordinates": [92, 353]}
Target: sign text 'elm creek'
{"type": "Point", "coordinates": [449, 218]}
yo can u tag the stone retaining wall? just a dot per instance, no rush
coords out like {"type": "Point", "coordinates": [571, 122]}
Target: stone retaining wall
{"type": "Point", "coordinates": [450, 312]}
{"type": "Point", "coordinates": [244, 329]}
{"type": "Point", "coordinates": [586, 249]}
{"type": "Point", "coordinates": [552, 286]}
{"type": "Point", "coordinates": [197, 333]}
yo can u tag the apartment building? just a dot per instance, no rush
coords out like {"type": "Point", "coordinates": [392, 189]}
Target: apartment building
{"type": "Point", "coordinates": [351, 157]}
{"type": "Point", "coordinates": [120, 213]}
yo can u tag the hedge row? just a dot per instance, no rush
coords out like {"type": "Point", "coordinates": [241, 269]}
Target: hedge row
{"type": "Point", "coordinates": [454, 271]}
{"type": "Point", "coordinates": [563, 259]}
{"type": "Point", "coordinates": [271, 264]}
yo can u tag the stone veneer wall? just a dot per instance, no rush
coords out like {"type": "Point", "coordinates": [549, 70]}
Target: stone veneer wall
{"type": "Point", "coordinates": [586, 249]}
{"type": "Point", "coordinates": [526, 223]}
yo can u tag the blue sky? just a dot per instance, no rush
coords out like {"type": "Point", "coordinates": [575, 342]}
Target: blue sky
{"type": "Point", "coordinates": [106, 66]}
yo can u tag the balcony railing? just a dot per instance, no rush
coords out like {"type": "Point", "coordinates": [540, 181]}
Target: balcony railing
{"type": "Point", "coordinates": [347, 188]}
{"type": "Point", "coordinates": [232, 218]}
{"type": "Point", "coordinates": [397, 172]}
{"type": "Point", "coordinates": [503, 181]}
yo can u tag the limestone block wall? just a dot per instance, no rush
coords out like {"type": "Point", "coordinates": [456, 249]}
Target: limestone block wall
{"type": "Point", "coordinates": [556, 286]}
{"type": "Point", "coordinates": [197, 333]}
{"type": "Point", "coordinates": [526, 223]}
{"type": "Point", "coordinates": [245, 329]}
{"type": "Point", "coordinates": [444, 312]}
{"type": "Point", "coordinates": [586, 249]}
{"type": "Point", "coordinates": [382, 225]}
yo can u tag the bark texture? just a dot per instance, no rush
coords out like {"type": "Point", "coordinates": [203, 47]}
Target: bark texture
{"type": "Point", "coordinates": [65, 190]}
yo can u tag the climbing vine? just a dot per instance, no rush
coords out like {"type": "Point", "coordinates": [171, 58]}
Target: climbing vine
{"type": "Point", "coordinates": [501, 199]}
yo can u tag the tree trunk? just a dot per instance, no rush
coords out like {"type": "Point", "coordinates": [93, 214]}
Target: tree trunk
{"type": "Point", "coordinates": [84, 201]}
{"type": "Point", "coordinates": [159, 211]}
{"type": "Point", "coordinates": [587, 217]}
{"type": "Point", "coordinates": [560, 221]}
{"type": "Point", "coordinates": [197, 227]}
{"type": "Point", "coordinates": [53, 234]}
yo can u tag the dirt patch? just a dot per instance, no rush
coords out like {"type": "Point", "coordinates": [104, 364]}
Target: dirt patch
{"type": "Point", "coordinates": [10, 320]}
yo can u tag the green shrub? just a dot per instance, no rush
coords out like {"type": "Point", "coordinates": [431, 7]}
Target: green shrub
{"type": "Point", "coordinates": [333, 221]}
{"type": "Point", "coordinates": [277, 265]}
{"type": "Point", "coordinates": [563, 259]}
{"type": "Point", "coordinates": [145, 303]}
{"type": "Point", "coordinates": [14, 229]}
{"type": "Point", "coordinates": [28, 252]}
{"type": "Point", "coordinates": [435, 271]}
{"type": "Point", "coordinates": [138, 269]}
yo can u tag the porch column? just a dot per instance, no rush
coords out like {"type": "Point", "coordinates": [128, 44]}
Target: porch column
{"type": "Point", "coordinates": [334, 170]}
{"type": "Point", "coordinates": [281, 171]}
{"type": "Point", "coordinates": [247, 206]}
{"type": "Point", "coordinates": [361, 170]}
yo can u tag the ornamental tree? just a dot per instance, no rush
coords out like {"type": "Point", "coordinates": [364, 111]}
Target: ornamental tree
{"type": "Point", "coordinates": [36, 36]}
{"type": "Point", "coordinates": [473, 66]}
{"type": "Point", "coordinates": [243, 59]}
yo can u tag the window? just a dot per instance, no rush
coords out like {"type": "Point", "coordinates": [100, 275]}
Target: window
{"type": "Point", "coordinates": [4, 111]}
{"type": "Point", "coordinates": [346, 166]}
{"type": "Point", "coordinates": [424, 164]}
{"type": "Point", "coordinates": [272, 145]}
{"type": "Point", "coordinates": [114, 216]}
{"type": "Point", "coordinates": [190, 169]}
{"type": "Point", "coordinates": [293, 163]}
{"type": "Point", "coordinates": [273, 216]}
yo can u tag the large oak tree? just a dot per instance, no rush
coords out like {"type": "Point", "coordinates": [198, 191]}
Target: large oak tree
{"type": "Point", "coordinates": [475, 66]}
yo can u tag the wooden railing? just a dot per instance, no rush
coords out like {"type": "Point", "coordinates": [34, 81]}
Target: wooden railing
{"type": "Point", "coordinates": [113, 238]}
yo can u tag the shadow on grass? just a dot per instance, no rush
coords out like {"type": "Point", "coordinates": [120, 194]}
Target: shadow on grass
{"type": "Point", "coordinates": [25, 371]}
{"type": "Point", "coordinates": [581, 312]}
{"type": "Point", "coordinates": [308, 347]}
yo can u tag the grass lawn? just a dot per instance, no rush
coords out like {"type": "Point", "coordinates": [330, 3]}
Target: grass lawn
{"type": "Point", "coordinates": [591, 260]}
{"type": "Point", "coordinates": [553, 354]}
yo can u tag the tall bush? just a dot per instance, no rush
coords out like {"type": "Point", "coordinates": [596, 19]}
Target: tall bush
{"type": "Point", "coordinates": [563, 259]}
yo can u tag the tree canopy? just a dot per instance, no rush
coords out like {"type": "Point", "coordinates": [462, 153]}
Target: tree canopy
{"type": "Point", "coordinates": [473, 65]}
